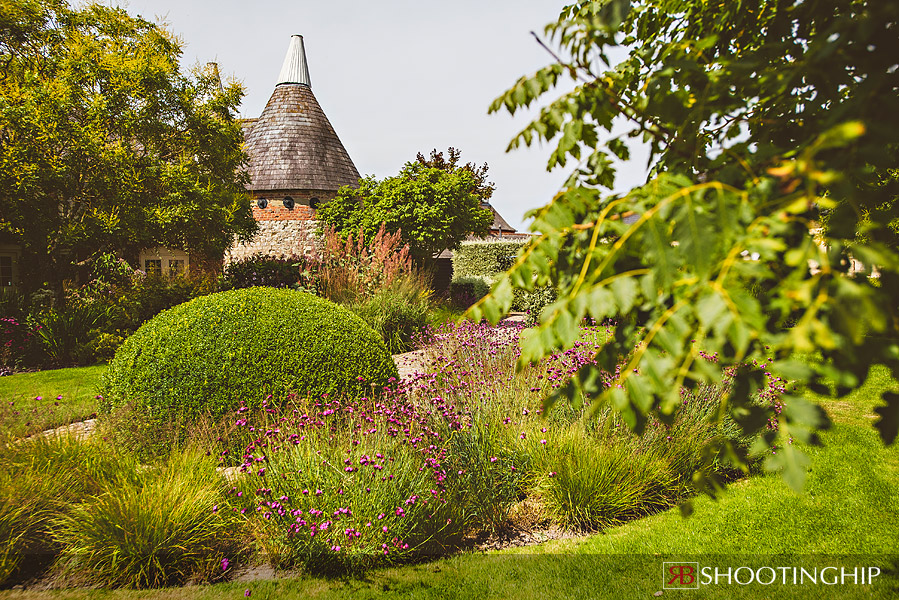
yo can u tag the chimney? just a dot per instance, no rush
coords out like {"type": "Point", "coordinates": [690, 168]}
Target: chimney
{"type": "Point", "coordinates": [213, 69]}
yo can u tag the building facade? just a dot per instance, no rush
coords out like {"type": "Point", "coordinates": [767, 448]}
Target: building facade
{"type": "Point", "coordinates": [296, 161]}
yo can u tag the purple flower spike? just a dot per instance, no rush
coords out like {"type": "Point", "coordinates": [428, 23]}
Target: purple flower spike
{"type": "Point", "coordinates": [225, 564]}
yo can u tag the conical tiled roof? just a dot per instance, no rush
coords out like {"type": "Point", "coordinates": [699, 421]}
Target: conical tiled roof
{"type": "Point", "coordinates": [292, 146]}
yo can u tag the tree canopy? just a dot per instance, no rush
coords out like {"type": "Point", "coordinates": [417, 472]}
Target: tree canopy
{"type": "Point", "coordinates": [435, 203]}
{"type": "Point", "coordinates": [772, 129]}
{"type": "Point", "coordinates": [105, 145]}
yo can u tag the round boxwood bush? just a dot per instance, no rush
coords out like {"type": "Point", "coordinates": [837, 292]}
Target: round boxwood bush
{"type": "Point", "coordinates": [210, 354]}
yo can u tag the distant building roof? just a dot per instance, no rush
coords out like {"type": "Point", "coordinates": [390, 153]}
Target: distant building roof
{"type": "Point", "coordinates": [499, 223]}
{"type": "Point", "coordinates": [292, 145]}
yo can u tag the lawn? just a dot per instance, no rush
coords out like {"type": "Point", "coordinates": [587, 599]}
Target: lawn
{"type": "Point", "coordinates": [848, 516]}
{"type": "Point", "coordinates": [31, 403]}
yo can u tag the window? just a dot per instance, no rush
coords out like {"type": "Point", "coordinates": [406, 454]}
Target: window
{"type": "Point", "coordinates": [6, 271]}
{"type": "Point", "coordinates": [176, 267]}
{"type": "Point", "coordinates": [153, 267]}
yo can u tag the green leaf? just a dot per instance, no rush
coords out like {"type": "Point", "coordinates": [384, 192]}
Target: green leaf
{"type": "Point", "coordinates": [532, 347]}
{"type": "Point", "coordinates": [710, 308]}
{"type": "Point", "coordinates": [799, 411]}
{"type": "Point", "coordinates": [841, 135]}
{"type": "Point", "coordinates": [625, 291]}
{"type": "Point", "coordinates": [791, 369]}
{"type": "Point", "coordinates": [640, 391]}
{"type": "Point", "coordinates": [601, 303]}
{"type": "Point", "coordinates": [791, 463]}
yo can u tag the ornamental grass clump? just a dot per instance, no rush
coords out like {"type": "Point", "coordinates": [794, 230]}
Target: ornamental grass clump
{"type": "Point", "coordinates": [594, 486]}
{"type": "Point", "coordinates": [166, 526]}
{"type": "Point", "coordinates": [398, 312]}
{"type": "Point", "coordinates": [490, 470]}
{"type": "Point", "coordinates": [349, 270]}
{"type": "Point", "coordinates": [208, 355]}
{"type": "Point", "coordinates": [41, 479]}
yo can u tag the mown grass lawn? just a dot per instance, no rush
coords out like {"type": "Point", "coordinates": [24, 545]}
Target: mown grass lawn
{"type": "Point", "coordinates": [23, 413]}
{"type": "Point", "coordinates": [847, 517]}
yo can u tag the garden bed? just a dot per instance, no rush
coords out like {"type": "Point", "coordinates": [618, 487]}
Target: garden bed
{"type": "Point", "coordinates": [461, 456]}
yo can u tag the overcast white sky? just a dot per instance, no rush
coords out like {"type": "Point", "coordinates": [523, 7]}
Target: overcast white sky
{"type": "Point", "coordinates": [394, 77]}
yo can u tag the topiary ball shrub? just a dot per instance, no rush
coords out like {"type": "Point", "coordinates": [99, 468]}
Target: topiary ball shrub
{"type": "Point", "coordinates": [208, 355]}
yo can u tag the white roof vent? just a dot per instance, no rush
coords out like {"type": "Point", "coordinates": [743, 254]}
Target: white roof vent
{"type": "Point", "coordinates": [295, 69]}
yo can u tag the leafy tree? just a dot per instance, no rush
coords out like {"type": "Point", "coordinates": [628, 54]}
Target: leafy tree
{"type": "Point", "coordinates": [764, 119]}
{"type": "Point", "coordinates": [106, 146]}
{"type": "Point", "coordinates": [434, 202]}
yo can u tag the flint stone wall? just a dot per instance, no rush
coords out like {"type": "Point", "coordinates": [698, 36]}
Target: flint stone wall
{"type": "Point", "coordinates": [277, 238]}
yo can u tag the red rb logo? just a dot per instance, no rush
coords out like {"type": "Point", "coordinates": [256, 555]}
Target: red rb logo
{"type": "Point", "coordinates": [680, 576]}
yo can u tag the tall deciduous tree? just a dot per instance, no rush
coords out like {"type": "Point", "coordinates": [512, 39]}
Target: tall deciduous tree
{"type": "Point", "coordinates": [435, 202]}
{"type": "Point", "coordinates": [765, 118]}
{"type": "Point", "coordinates": [105, 145]}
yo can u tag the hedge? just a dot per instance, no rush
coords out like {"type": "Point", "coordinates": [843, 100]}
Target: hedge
{"type": "Point", "coordinates": [214, 352]}
{"type": "Point", "coordinates": [485, 258]}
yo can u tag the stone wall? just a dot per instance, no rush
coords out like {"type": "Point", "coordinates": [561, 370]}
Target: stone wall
{"type": "Point", "coordinates": [277, 238]}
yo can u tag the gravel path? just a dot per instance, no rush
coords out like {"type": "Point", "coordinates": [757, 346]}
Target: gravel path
{"type": "Point", "coordinates": [81, 429]}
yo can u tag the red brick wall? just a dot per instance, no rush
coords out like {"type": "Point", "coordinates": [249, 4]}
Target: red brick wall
{"type": "Point", "coordinates": [275, 211]}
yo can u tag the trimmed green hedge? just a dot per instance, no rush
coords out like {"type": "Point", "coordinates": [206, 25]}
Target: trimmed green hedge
{"type": "Point", "coordinates": [485, 258]}
{"type": "Point", "coordinates": [476, 266]}
{"type": "Point", "coordinates": [213, 352]}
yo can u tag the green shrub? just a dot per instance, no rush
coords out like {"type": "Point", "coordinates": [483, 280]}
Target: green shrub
{"type": "Point", "coordinates": [485, 258]}
{"type": "Point", "coordinates": [534, 302]}
{"type": "Point", "coordinates": [211, 354]}
{"type": "Point", "coordinates": [164, 527]}
{"type": "Point", "coordinates": [397, 313]}
{"type": "Point", "coordinates": [148, 295]}
{"type": "Point", "coordinates": [465, 291]}
{"type": "Point", "coordinates": [63, 330]}
{"type": "Point", "coordinates": [268, 271]}
{"type": "Point", "coordinates": [101, 347]}
{"type": "Point", "coordinates": [13, 304]}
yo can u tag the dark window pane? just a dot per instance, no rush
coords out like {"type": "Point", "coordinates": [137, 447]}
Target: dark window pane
{"type": "Point", "coordinates": [153, 267]}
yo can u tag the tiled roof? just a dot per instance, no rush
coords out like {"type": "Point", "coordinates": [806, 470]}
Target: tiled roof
{"type": "Point", "coordinates": [499, 223]}
{"type": "Point", "coordinates": [292, 146]}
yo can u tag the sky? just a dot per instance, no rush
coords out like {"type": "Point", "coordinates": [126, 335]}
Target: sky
{"type": "Point", "coordinates": [394, 77]}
